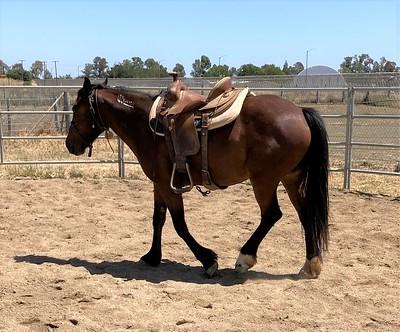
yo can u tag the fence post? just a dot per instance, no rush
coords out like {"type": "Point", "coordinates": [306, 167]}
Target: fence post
{"type": "Point", "coordinates": [1, 139]}
{"type": "Point", "coordinates": [8, 117]}
{"type": "Point", "coordinates": [56, 118]}
{"type": "Point", "coordinates": [67, 108]}
{"type": "Point", "coordinates": [348, 143]}
{"type": "Point", "coordinates": [121, 158]}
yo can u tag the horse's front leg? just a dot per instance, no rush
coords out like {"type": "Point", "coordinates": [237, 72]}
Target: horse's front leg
{"type": "Point", "coordinates": [153, 257]}
{"type": "Point", "coordinates": [207, 257]}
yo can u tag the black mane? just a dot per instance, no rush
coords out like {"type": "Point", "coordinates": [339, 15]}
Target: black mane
{"type": "Point", "coordinates": [130, 92]}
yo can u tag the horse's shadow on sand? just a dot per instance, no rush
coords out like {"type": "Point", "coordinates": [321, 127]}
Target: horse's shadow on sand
{"type": "Point", "coordinates": [166, 271]}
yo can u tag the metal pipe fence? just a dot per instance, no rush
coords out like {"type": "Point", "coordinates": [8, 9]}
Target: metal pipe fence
{"type": "Point", "coordinates": [364, 126]}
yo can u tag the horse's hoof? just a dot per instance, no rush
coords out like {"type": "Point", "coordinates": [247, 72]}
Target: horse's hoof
{"type": "Point", "coordinates": [245, 262]}
{"type": "Point", "coordinates": [312, 268]}
{"type": "Point", "coordinates": [150, 259]}
{"type": "Point", "coordinates": [212, 269]}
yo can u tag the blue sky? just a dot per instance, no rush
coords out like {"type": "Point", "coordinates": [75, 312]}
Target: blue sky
{"type": "Point", "coordinates": [73, 32]}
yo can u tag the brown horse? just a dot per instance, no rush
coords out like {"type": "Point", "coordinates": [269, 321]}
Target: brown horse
{"type": "Point", "coordinates": [271, 141]}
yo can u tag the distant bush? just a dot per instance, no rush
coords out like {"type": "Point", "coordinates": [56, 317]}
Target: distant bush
{"type": "Point", "coordinates": [19, 73]}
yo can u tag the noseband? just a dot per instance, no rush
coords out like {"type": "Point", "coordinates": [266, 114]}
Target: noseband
{"type": "Point", "coordinates": [96, 118]}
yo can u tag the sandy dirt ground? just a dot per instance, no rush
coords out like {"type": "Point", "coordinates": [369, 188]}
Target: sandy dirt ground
{"type": "Point", "coordinates": [70, 250]}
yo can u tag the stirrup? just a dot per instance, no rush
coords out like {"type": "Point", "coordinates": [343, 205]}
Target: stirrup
{"type": "Point", "coordinates": [184, 188]}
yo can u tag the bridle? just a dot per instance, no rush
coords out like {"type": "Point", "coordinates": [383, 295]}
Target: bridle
{"type": "Point", "coordinates": [97, 121]}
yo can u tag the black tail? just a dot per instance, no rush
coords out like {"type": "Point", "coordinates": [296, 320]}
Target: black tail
{"type": "Point", "coordinates": [314, 185]}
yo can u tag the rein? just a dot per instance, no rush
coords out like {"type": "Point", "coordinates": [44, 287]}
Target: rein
{"type": "Point", "coordinates": [99, 123]}
{"type": "Point", "coordinates": [73, 126]}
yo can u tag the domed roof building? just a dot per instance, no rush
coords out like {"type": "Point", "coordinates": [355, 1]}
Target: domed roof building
{"type": "Point", "coordinates": [319, 77]}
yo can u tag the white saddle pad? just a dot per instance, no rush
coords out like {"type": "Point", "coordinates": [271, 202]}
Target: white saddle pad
{"type": "Point", "coordinates": [221, 120]}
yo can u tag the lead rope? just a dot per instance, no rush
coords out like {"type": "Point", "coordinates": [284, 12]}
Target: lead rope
{"type": "Point", "coordinates": [108, 134]}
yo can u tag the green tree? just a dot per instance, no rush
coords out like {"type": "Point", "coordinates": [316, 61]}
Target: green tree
{"type": "Point", "coordinates": [249, 70]}
{"type": "Point", "coordinates": [296, 68]}
{"type": "Point", "coordinates": [100, 67]}
{"type": "Point", "coordinates": [18, 73]}
{"type": "Point", "coordinates": [180, 69]}
{"type": "Point", "coordinates": [3, 67]}
{"type": "Point", "coordinates": [200, 66]}
{"type": "Point", "coordinates": [271, 69]}
{"type": "Point", "coordinates": [285, 68]}
{"type": "Point", "coordinates": [47, 74]}
{"type": "Point", "coordinates": [136, 68]}
{"type": "Point", "coordinates": [218, 71]}
{"type": "Point", "coordinates": [66, 76]}
{"type": "Point", "coordinates": [153, 68]}
{"type": "Point", "coordinates": [123, 69]}
{"type": "Point", "coordinates": [37, 69]}
{"type": "Point", "coordinates": [88, 70]}
{"type": "Point", "coordinates": [362, 63]}
{"type": "Point", "coordinates": [384, 65]}
{"type": "Point", "coordinates": [292, 70]}
{"type": "Point", "coordinates": [346, 65]}
{"type": "Point", "coordinates": [232, 71]}
{"type": "Point", "coordinates": [137, 63]}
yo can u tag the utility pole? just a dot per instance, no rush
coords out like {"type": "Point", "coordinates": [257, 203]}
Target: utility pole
{"type": "Point", "coordinates": [44, 72]}
{"type": "Point", "coordinates": [55, 69]}
{"type": "Point", "coordinates": [307, 52]}
{"type": "Point", "coordinates": [22, 69]}
{"type": "Point", "coordinates": [219, 65]}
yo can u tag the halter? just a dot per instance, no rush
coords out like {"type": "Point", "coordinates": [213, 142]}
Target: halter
{"type": "Point", "coordinates": [97, 122]}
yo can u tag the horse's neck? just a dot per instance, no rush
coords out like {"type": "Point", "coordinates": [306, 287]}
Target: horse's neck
{"type": "Point", "coordinates": [132, 126]}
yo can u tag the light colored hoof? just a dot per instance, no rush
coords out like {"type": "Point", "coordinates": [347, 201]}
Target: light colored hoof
{"type": "Point", "coordinates": [245, 262]}
{"type": "Point", "coordinates": [211, 270]}
{"type": "Point", "coordinates": [312, 268]}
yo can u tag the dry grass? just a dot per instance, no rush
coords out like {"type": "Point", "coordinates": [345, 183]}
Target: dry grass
{"type": "Point", "coordinates": [24, 150]}
{"type": "Point", "coordinates": [369, 183]}
{"type": "Point", "coordinates": [28, 150]}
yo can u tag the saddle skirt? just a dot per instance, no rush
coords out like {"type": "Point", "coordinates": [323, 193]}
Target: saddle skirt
{"type": "Point", "coordinates": [220, 112]}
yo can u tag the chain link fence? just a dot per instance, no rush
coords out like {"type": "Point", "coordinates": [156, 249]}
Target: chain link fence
{"type": "Point", "coordinates": [363, 124]}
{"type": "Point", "coordinates": [265, 81]}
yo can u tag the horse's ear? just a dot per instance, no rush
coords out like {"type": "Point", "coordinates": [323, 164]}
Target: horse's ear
{"type": "Point", "coordinates": [105, 82]}
{"type": "Point", "coordinates": [87, 85]}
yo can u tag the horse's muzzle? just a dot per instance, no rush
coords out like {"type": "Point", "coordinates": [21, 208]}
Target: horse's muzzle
{"type": "Point", "coordinates": [75, 149]}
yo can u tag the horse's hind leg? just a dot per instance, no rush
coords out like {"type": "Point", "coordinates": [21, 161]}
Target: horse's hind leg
{"type": "Point", "coordinates": [313, 263]}
{"type": "Point", "coordinates": [270, 214]}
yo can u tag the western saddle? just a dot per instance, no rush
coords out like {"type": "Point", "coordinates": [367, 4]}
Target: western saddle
{"type": "Point", "coordinates": [179, 110]}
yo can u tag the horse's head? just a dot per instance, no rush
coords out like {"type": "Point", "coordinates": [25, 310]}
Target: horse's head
{"type": "Point", "coordinates": [86, 124]}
